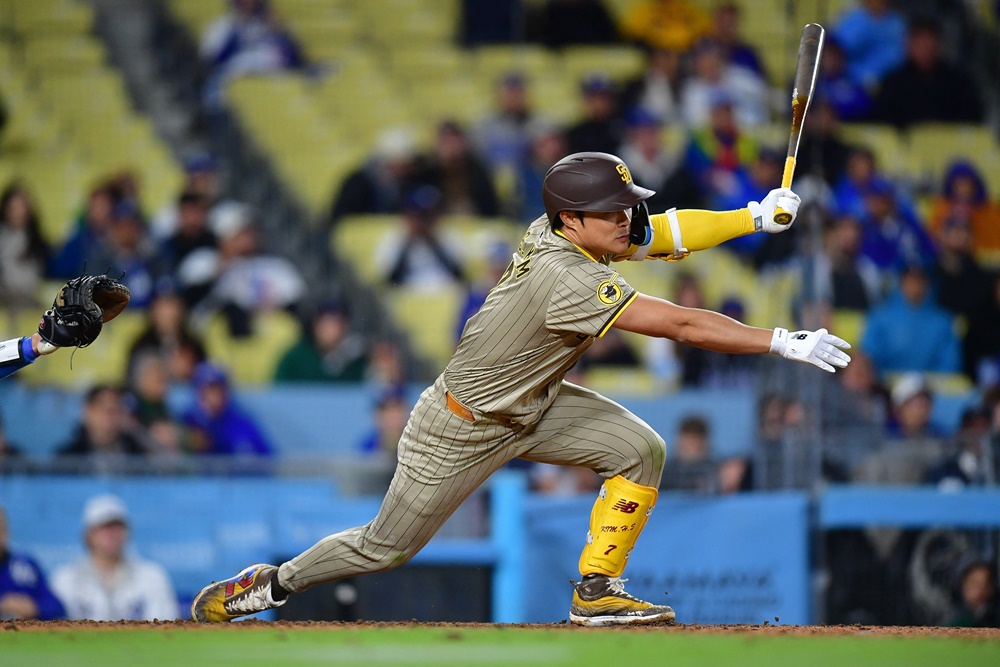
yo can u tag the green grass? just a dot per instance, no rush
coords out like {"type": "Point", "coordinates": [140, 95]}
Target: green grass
{"type": "Point", "coordinates": [442, 646]}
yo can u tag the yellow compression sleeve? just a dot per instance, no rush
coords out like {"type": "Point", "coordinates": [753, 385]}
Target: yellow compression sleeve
{"type": "Point", "coordinates": [699, 230]}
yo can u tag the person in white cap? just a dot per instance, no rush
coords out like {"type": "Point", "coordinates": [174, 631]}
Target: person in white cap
{"type": "Point", "coordinates": [108, 584]}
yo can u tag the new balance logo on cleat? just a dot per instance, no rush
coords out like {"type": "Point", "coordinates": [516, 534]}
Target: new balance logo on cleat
{"type": "Point", "coordinates": [600, 601]}
{"type": "Point", "coordinates": [626, 506]}
{"type": "Point", "coordinates": [247, 593]}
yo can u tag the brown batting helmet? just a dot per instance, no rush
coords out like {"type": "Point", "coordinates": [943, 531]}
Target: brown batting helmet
{"type": "Point", "coordinates": [597, 182]}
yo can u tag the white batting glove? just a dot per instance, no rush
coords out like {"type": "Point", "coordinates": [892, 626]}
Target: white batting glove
{"type": "Point", "coordinates": [763, 212]}
{"type": "Point", "coordinates": [818, 348]}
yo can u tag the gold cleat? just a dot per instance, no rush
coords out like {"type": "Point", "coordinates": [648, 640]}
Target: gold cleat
{"type": "Point", "coordinates": [247, 593]}
{"type": "Point", "coordinates": [600, 600]}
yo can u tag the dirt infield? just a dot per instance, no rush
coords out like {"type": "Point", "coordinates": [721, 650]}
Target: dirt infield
{"type": "Point", "coordinates": [987, 634]}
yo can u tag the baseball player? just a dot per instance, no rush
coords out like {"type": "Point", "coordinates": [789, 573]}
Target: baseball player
{"type": "Point", "coordinates": [502, 395]}
{"type": "Point", "coordinates": [78, 313]}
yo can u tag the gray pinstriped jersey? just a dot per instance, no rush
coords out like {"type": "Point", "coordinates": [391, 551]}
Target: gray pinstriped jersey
{"type": "Point", "coordinates": [541, 317]}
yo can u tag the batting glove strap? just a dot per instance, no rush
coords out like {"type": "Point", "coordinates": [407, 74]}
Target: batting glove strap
{"type": "Point", "coordinates": [819, 348]}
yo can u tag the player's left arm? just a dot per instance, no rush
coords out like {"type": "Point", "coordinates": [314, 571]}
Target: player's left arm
{"type": "Point", "coordinates": [17, 353]}
{"type": "Point", "coordinates": [675, 234]}
{"type": "Point", "coordinates": [714, 331]}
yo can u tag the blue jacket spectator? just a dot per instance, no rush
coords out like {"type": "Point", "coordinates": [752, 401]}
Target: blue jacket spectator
{"type": "Point", "coordinates": [24, 590]}
{"type": "Point", "coordinates": [874, 38]}
{"type": "Point", "coordinates": [892, 237]}
{"type": "Point", "coordinates": [220, 426]}
{"type": "Point", "coordinates": [838, 87]}
{"type": "Point", "coordinates": [87, 235]}
{"type": "Point", "coordinates": [909, 332]}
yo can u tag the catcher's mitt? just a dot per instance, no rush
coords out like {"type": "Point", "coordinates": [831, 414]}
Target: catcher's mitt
{"type": "Point", "coordinates": [80, 310]}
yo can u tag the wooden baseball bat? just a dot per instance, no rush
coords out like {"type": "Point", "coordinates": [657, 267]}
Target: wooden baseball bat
{"type": "Point", "coordinates": [810, 50]}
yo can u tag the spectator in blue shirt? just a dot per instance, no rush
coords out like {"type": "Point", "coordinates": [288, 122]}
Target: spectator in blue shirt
{"type": "Point", "coordinates": [24, 590]}
{"type": "Point", "coordinates": [838, 87]}
{"type": "Point", "coordinates": [874, 38]}
{"type": "Point", "coordinates": [910, 332]}
{"type": "Point", "coordinates": [891, 236]}
{"type": "Point", "coordinates": [219, 426]}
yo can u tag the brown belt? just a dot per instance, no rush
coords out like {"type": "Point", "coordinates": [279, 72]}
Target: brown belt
{"type": "Point", "coordinates": [465, 413]}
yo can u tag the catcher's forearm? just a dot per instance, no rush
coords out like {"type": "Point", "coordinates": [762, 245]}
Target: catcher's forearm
{"type": "Point", "coordinates": [15, 354]}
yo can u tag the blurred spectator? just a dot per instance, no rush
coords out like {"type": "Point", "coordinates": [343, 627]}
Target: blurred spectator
{"type": "Point", "coordinates": [610, 350]}
{"type": "Point", "coordinates": [600, 128]}
{"type": "Point", "coordinates": [715, 153]}
{"type": "Point", "coordinates": [148, 384]}
{"type": "Point", "coordinates": [926, 88]}
{"type": "Point", "coordinates": [498, 260]}
{"type": "Point", "coordinates": [666, 24]}
{"type": "Point", "coordinates": [657, 89]}
{"type": "Point", "coordinates": [873, 36]}
{"type": "Point", "coordinates": [548, 146]}
{"type": "Point", "coordinates": [734, 476]}
{"type": "Point", "coordinates": [24, 590]}
{"type": "Point", "coordinates": [727, 30]}
{"type": "Point", "coordinates": [692, 467]}
{"type": "Point", "coordinates": [86, 234]}
{"type": "Point", "coordinates": [465, 184]}
{"type": "Point", "coordinates": [822, 153]}
{"type": "Point", "coordinates": [655, 167]}
{"type": "Point", "coordinates": [248, 39]}
{"type": "Point", "coordinates": [854, 415]}
{"type": "Point", "coordinates": [982, 338]}
{"type": "Point", "coordinates": [168, 336]}
{"type": "Point", "coordinates": [328, 351]}
{"type": "Point", "coordinates": [108, 584]}
{"type": "Point", "coordinates": [192, 233]}
{"type": "Point", "coordinates": [840, 277]}
{"type": "Point", "coordinates": [713, 78]}
{"type": "Point", "coordinates": [835, 86]}
{"type": "Point", "coordinates": [24, 253]}
{"type": "Point", "coordinates": [421, 256]}
{"type": "Point", "coordinates": [392, 410]}
{"type": "Point", "coordinates": [850, 186]}
{"type": "Point", "coordinates": [503, 137]}
{"type": "Point", "coordinates": [914, 442]}
{"type": "Point", "coordinates": [494, 22]}
{"type": "Point", "coordinates": [12, 457]}
{"type": "Point", "coordinates": [571, 22]}
{"type": "Point", "coordinates": [219, 426]}
{"type": "Point", "coordinates": [974, 460]}
{"type": "Point", "coordinates": [238, 278]}
{"type": "Point", "coordinates": [103, 441]}
{"type": "Point", "coordinates": [386, 365]}
{"type": "Point", "coordinates": [960, 285]}
{"type": "Point", "coordinates": [201, 177]}
{"type": "Point", "coordinates": [379, 185]}
{"type": "Point", "coordinates": [977, 606]}
{"type": "Point", "coordinates": [129, 251]}
{"type": "Point", "coordinates": [909, 332]}
{"type": "Point", "coordinates": [964, 197]}
{"type": "Point", "coordinates": [891, 236]}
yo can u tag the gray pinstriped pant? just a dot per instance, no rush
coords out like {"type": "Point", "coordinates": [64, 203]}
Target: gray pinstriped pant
{"type": "Point", "coordinates": [444, 458]}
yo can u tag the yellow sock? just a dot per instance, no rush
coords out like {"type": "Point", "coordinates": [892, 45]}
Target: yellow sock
{"type": "Point", "coordinates": [618, 517]}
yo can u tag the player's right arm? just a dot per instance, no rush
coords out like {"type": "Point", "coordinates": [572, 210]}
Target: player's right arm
{"type": "Point", "coordinates": [713, 331]}
{"type": "Point", "coordinates": [675, 234]}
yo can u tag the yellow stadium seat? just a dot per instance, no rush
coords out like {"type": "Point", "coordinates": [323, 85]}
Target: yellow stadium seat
{"type": "Point", "coordinates": [429, 319]}
{"type": "Point", "coordinates": [933, 147]}
{"type": "Point", "coordinates": [52, 17]}
{"type": "Point", "coordinates": [848, 324]}
{"type": "Point", "coordinates": [492, 62]}
{"type": "Point", "coordinates": [891, 152]}
{"type": "Point", "coordinates": [353, 240]}
{"type": "Point", "coordinates": [252, 360]}
{"type": "Point", "coordinates": [619, 63]}
{"type": "Point", "coordinates": [47, 55]}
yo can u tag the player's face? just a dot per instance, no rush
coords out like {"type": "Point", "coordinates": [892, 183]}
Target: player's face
{"type": "Point", "coordinates": [602, 233]}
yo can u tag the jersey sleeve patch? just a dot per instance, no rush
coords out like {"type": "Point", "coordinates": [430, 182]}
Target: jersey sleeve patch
{"type": "Point", "coordinates": [585, 298]}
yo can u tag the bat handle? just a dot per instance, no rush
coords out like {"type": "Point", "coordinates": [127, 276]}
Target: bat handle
{"type": "Point", "coordinates": [781, 216]}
